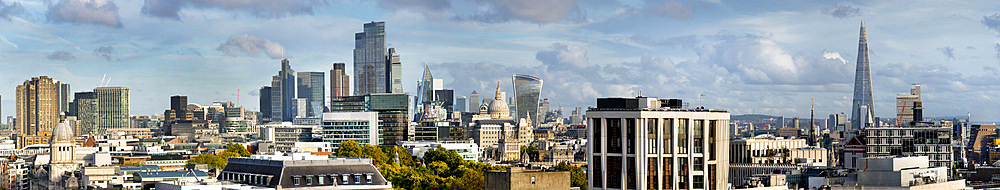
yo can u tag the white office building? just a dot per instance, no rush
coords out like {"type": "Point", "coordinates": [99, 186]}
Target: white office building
{"type": "Point", "coordinates": [648, 143]}
{"type": "Point", "coordinates": [361, 127]}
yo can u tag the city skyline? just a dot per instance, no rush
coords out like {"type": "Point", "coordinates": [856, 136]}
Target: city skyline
{"type": "Point", "coordinates": [782, 61]}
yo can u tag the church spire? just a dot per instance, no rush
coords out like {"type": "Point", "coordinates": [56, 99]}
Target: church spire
{"type": "Point", "coordinates": [498, 92]}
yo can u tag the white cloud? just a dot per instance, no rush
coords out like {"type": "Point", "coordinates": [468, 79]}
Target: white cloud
{"type": "Point", "coordinates": [170, 9]}
{"type": "Point", "coordinates": [101, 12]}
{"type": "Point", "coordinates": [251, 45]}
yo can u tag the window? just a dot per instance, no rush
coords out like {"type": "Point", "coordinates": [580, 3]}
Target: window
{"type": "Point", "coordinates": [345, 177]}
{"type": "Point", "coordinates": [651, 136]}
{"type": "Point", "coordinates": [598, 171]}
{"type": "Point", "coordinates": [596, 137]}
{"type": "Point", "coordinates": [614, 135]}
{"type": "Point", "coordinates": [297, 181]}
{"type": "Point", "coordinates": [532, 179]}
{"type": "Point", "coordinates": [320, 179]}
{"type": "Point", "coordinates": [651, 174]}
{"type": "Point", "coordinates": [699, 163]}
{"type": "Point", "coordinates": [357, 178]}
{"type": "Point", "coordinates": [309, 180]}
{"type": "Point", "coordinates": [668, 135]}
{"type": "Point", "coordinates": [668, 171]}
{"type": "Point", "coordinates": [632, 178]}
{"type": "Point", "coordinates": [711, 176]}
{"type": "Point", "coordinates": [630, 135]}
{"type": "Point", "coordinates": [682, 136]}
{"type": "Point", "coordinates": [369, 178]}
{"type": "Point", "coordinates": [614, 172]}
{"type": "Point", "coordinates": [683, 170]}
{"type": "Point", "coordinates": [699, 182]}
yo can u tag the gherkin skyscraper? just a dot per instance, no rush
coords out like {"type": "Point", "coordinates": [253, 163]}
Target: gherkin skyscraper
{"type": "Point", "coordinates": [863, 110]}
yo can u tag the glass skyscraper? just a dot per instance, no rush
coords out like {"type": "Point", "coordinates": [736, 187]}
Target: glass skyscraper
{"type": "Point", "coordinates": [527, 91]}
{"type": "Point", "coordinates": [370, 68]}
{"type": "Point", "coordinates": [282, 92]}
{"type": "Point", "coordinates": [863, 109]}
{"type": "Point", "coordinates": [311, 87]}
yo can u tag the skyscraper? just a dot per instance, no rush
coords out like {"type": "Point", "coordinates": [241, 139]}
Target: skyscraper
{"type": "Point", "coordinates": [63, 93]}
{"type": "Point", "coordinates": [460, 103]}
{"type": "Point", "coordinates": [474, 102]}
{"type": "Point", "coordinates": [112, 108]}
{"type": "Point", "coordinates": [446, 98]}
{"type": "Point", "coordinates": [339, 81]}
{"type": "Point", "coordinates": [311, 87]}
{"type": "Point", "coordinates": [282, 92]}
{"type": "Point", "coordinates": [395, 75]}
{"type": "Point", "coordinates": [86, 111]}
{"type": "Point", "coordinates": [527, 90]}
{"type": "Point", "coordinates": [543, 110]}
{"type": "Point", "coordinates": [863, 109]}
{"type": "Point", "coordinates": [265, 104]}
{"type": "Point", "coordinates": [36, 106]}
{"type": "Point", "coordinates": [370, 68]}
{"type": "Point", "coordinates": [426, 87]}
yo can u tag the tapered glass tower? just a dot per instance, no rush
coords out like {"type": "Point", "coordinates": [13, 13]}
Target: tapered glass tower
{"type": "Point", "coordinates": [527, 91]}
{"type": "Point", "coordinates": [863, 109]}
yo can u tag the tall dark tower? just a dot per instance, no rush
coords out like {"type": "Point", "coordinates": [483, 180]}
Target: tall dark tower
{"type": "Point", "coordinates": [863, 110]}
{"type": "Point", "coordinates": [812, 120]}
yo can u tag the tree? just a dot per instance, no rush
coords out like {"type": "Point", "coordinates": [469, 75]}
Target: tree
{"type": "Point", "coordinates": [577, 177]}
{"type": "Point", "coordinates": [238, 149]}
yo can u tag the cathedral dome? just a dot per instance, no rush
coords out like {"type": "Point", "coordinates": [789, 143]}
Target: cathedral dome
{"type": "Point", "coordinates": [498, 107]}
{"type": "Point", "coordinates": [62, 132]}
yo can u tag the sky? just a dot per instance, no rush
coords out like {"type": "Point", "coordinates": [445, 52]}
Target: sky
{"type": "Point", "coordinates": [760, 57]}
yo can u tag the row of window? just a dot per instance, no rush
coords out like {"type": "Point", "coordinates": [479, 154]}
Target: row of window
{"type": "Point", "coordinates": [330, 179]}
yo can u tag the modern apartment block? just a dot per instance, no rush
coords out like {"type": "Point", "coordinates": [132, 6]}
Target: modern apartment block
{"type": "Point", "coordinates": [923, 139]}
{"type": "Point", "coordinates": [649, 143]}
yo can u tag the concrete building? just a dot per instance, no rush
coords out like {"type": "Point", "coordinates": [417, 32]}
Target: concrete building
{"type": "Point", "coordinates": [304, 171]}
{"type": "Point", "coordinates": [680, 148]}
{"type": "Point", "coordinates": [466, 149]}
{"type": "Point", "coordinates": [982, 138]}
{"type": "Point", "coordinates": [361, 127]}
{"type": "Point", "coordinates": [37, 110]}
{"type": "Point", "coordinates": [285, 134]}
{"type": "Point", "coordinates": [766, 149]}
{"type": "Point", "coordinates": [112, 108]}
{"type": "Point", "coordinates": [923, 139]}
{"type": "Point", "coordinates": [907, 105]}
{"type": "Point", "coordinates": [340, 82]}
{"type": "Point", "coordinates": [905, 173]}
{"type": "Point", "coordinates": [395, 73]}
{"type": "Point", "coordinates": [474, 102]}
{"type": "Point", "coordinates": [519, 178]}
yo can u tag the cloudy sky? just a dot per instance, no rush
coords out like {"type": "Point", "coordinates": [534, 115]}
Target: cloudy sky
{"type": "Point", "coordinates": [742, 56]}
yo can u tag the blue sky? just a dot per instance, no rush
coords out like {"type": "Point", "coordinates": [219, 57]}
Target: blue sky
{"type": "Point", "coordinates": [765, 57]}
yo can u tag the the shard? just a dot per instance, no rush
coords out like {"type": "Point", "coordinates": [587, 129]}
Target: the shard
{"type": "Point", "coordinates": [863, 109]}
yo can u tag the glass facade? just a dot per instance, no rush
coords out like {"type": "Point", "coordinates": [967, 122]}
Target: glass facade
{"type": "Point", "coordinates": [311, 87]}
{"type": "Point", "coordinates": [527, 91]}
{"type": "Point", "coordinates": [370, 69]}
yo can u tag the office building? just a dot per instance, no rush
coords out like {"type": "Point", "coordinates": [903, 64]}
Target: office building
{"type": "Point", "coordinates": [370, 68]}
{"type": "Point", "coordinates": [285, 134]}
{"type": "Point", "coordinates": [311, 87]}
{"type": "Point", "coordinates": [438, 130]}
{"type": "Point", "coordinates": [576, 118]}
{"type": "Point", "coordinates": [426, 87]}
{"type": "Point", "coordinates": [460, 103]}
{"type": "Point", "coordinates": [527, 92]}
{"type": "Point", "coordinates": [474, 102]}
{"type": "Point", "coordinates": [112, 108]}
{"type": "Point", "coordinates": [922, 139]}
{"type": "Point", "coordinates": [543, 111]}
{"type": "Point", "coordinates": [361, 127]}
{"type": "Point", "coordinates": [837, 122]}
{"type": "Point", "coordinates": [37, 109]}
{"type": "Point", "coordinates": [983, 138]}
{"type": "Point", "coordinates": [766, 149]}
{"type": "Point", "coordinates": [681, 148]}
{"type": "Point", "coordinates": [340, 82]}
{"type": "Point", "coordinates": [63, 94]}
{"type": "Point", "coordinates": [465, 148]}
{"type": "Point", "coordinates": [395, 75]}
{"type": "Point", "coordinates": [282, 92]}
{"type": "Point", "coordinates": [300, 108]}
{"type": "Point", "coordinates": [304, 171]}
{"type": "Point", "coordinates": [446, 99]}
{"type": "Point", "coordinates": [862, 110]}
{"type": "Point", "coordinates": [392, 109]}
{"type": "Point", "coordinates": [265, 104]}
{"type": "Point", "coordinates": [908, 106]}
